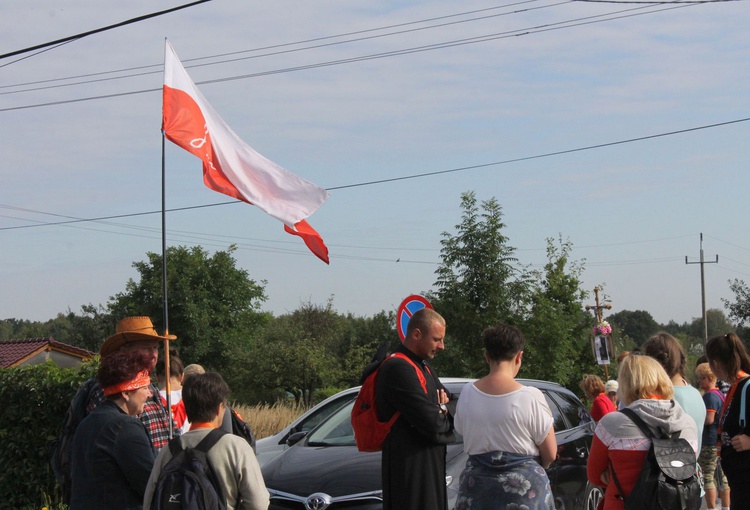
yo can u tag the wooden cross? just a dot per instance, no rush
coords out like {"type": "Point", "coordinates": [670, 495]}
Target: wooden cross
{"type": "Point", "coordinates": [598, 312]}
{"type": "Point", "coordinates": [598, 308]}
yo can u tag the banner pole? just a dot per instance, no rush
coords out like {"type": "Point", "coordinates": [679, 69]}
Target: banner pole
{"type": "Point", "coordinates": [165, 302]}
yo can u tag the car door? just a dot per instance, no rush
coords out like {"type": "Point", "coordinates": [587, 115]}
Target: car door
{"type": "Point", "coordinates": [573, 430]}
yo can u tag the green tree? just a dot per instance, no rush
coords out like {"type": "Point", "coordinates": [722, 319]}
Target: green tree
{"type": "Point", "coordinates": [636, 325]}
{"type": "Point", "coordinates": [557, 329]}
{"type": "Point", "coordinates": [477, 284]}
{"type": "Point", "coordinates": [89, 328]}
{"type": "Point", "coordinates": [213, 306]}
{"type": "Point", "coordinates": [739, 310]}
{"type": "Point", "coordinates": [717, 322]}
{"type": "Point", "coordinates": [300, 353]}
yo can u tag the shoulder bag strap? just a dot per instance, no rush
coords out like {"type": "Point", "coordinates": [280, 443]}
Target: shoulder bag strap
{"type": "Point", "coordinates": [175, 446]}
{"type": "Point", "coordinates": [638, 421]}
{"type": "Point", "coordinates": [419, 372]}
{"type": "Point", "coordinates": [621, 495]}
{"type": "Point", "coordinates": [743, 407]}
{"type": "Point", "coordinates": [211, 439]}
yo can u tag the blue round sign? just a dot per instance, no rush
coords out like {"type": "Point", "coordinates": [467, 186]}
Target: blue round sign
{"type": "Point", "coordinates": [406, 309]}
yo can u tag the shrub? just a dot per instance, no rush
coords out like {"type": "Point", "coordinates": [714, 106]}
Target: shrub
{"type": "Point", "coordinates": [33, 400]}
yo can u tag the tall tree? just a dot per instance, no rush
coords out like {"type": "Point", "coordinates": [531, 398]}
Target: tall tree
{"type": "Point", "coordinates": [213, 305]}
{"type": "Point", "coordinates": [557, 329]}
{"type": "Point", "coordinates": [477, 284]}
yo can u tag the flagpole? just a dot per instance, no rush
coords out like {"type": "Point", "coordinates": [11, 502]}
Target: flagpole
{"type": "Point", "coordinates": [165, 311]}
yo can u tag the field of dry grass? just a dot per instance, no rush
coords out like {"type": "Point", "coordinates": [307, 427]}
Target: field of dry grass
{"type": "Point", "coordinates": [265, 420]}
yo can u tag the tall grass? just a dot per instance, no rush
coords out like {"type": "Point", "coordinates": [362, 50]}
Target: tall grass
{"type": "Point", "coordinates": [267, 419]}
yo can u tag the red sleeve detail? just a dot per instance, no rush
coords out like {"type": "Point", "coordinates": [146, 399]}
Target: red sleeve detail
{"type": "Point", "coordinates": [598, 461]}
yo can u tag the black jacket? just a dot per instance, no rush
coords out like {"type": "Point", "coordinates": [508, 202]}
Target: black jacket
{"type": "Point", "coordinates": [112, 460]}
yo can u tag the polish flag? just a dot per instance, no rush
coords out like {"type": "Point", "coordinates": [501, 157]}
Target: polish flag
{"type": "Point", "coordinates": [232, 167]}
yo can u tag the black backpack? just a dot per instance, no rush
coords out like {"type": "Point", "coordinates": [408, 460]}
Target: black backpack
{"type": "Point", "coordinates": [668, 479]}
{"type": "Point", "coordinates": [188, 480]}
{"type": "Point", "coordinates": [61, 447]}
{"type": "Point", "coordinates": [241, 428]}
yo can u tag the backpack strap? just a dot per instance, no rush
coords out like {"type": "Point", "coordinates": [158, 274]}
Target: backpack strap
{"type": "Point", "coordinates": [175, 445]}
{"type": "Point", "coordinates": [718, 393]}
{"type": "Point", "coordinates": [621, 494]}
{"type": "Point", "coordinates": [211, 439]}
{"type": "Point", "coordinates": [639, 422]}
{"type": "Point", "coordinates": [419, 372]}
{"type": "Point", "coordinates": [743, 407]}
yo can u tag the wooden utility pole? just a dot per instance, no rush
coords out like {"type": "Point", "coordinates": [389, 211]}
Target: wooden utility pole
{"type": "Point", "coordinates": [598, 312]}
{"type": "Point", "coordinates": [703, 292]}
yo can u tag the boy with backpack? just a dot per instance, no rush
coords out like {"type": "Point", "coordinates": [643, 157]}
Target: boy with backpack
{"type": "Point", "coordinates": [206, 468]}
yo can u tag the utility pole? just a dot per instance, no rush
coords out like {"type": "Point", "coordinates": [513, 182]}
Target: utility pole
{"type": "Point", "coordinates": [703, 291]}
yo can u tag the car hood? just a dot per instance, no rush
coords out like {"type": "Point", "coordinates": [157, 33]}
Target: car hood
{"type": "Point", "coordinates": [304, 470]}
{"type": "Point", "coordinates": [334, 470]}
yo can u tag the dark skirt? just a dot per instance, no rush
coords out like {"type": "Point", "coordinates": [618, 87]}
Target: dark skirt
{"type": "Point", "coordinates": [502, 480]}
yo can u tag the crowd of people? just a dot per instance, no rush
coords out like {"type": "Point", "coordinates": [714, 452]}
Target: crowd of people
{"type": "Point", "coordinates": [122, 446]}
{"type": "Point", "coordinates": [119, 453]}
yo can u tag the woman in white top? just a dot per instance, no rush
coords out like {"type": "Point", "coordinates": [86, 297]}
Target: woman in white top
{"type": "Point", "coordinates": [507, 431]}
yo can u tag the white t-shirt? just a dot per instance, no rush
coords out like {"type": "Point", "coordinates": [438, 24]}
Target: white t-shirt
{"type": "Point", "coordinates": [515, 422]}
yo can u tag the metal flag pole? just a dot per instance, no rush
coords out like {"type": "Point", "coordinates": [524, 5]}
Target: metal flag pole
{"type": "Point", "coordinates": [165, 312]}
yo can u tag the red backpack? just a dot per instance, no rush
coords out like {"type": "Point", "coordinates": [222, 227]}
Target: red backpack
{"type": "Point", "coordinates": [369, 432]}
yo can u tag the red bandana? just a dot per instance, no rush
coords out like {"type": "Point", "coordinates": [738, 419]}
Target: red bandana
{"type": "Point", "coordinates": [141, 380]}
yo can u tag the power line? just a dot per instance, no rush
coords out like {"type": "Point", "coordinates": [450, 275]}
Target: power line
{"type": "Point", "coordinates": [539, 156]}
{"type": "Point", "coordinates": [98, 30]}
{"type": "Point", "coordinates": [587, 20]}
{"type": "Point", "coordinates": [296, 43]}
{"type": "Point", "coordinates": [72, 220]}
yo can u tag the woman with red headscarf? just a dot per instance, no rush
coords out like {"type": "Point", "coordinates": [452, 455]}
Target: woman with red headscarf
{"type": "Point", "coordinates": [112, 454]}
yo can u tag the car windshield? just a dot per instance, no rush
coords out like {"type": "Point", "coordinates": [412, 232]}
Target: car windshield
{"type": "Point", "coordinates": [336, 430]}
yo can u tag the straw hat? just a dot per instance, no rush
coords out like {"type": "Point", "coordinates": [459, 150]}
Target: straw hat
{"type": "Point", "coordinates": [131, 329]}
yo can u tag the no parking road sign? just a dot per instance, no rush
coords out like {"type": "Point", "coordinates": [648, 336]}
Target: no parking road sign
{"type": "Point", "coordinates": [406, 309]}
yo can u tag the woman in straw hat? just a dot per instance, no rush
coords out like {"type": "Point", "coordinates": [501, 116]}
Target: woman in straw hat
{"type": "Point", "coordinates": [137, 334]}
{"type": "Point", "coordinates": [112, 454]}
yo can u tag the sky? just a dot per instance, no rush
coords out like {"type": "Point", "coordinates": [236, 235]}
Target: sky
{"type": "Point", "coordinates": [619, 127]}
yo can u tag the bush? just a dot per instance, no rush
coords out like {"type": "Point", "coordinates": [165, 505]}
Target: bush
{"type": "Point", "coordinates": [33, 400]}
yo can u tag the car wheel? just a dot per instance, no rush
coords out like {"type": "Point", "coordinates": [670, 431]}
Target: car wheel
{"type": "Point", "coordinates": [594, 495]}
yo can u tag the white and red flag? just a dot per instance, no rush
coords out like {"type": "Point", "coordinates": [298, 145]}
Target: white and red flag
{"type": "Point", "coordinates": [232, 167]}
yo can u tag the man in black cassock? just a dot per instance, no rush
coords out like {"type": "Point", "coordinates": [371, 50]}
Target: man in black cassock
{"type": "Point", "coordinates": [413, 467]}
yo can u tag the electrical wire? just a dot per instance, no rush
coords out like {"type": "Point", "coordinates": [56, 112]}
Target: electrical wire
{"type": "Point", "coordinates": [576, 22]}
{"type": "Point", "coordinates": [285, 45]}
{"type": "Point", "coordinates": [76, 37]}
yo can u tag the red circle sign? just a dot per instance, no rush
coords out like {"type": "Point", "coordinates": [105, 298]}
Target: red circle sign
{"type": "Point", "coordinates": [406, 309]}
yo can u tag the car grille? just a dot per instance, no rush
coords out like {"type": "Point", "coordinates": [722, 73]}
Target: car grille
{"type": "Point", "coordinates": [319, 501]}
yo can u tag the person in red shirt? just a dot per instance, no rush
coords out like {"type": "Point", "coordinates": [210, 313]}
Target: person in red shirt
{"type": "Point", "coordinates": [593, 387]}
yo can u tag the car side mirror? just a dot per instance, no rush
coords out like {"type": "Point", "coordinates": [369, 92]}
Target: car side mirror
{"type": "Point", "coordinates": [295, 438]}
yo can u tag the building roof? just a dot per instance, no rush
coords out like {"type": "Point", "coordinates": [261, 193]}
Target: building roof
{"type": "Point", "coordinates": [15, 352]}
